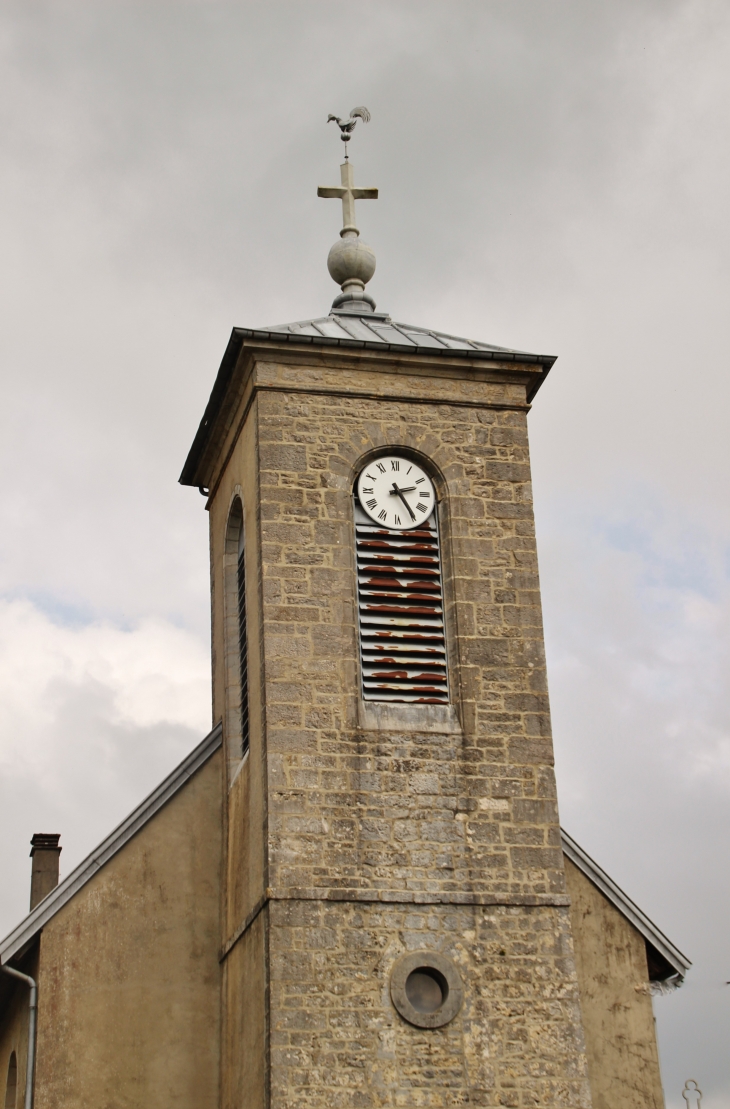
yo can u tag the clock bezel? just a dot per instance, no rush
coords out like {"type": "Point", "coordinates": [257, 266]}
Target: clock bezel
{"type": "Point", "coordinates": [402, 455]}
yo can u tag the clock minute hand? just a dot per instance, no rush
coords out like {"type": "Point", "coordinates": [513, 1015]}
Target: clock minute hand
{"type": "Point", "coordinates": [399, 492]}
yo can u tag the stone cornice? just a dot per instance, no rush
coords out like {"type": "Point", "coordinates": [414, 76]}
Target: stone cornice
{"type": "Point", "coordinates": [246, 347]}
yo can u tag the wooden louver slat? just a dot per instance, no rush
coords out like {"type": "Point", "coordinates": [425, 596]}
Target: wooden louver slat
{"type": "Point", "coordinates": [401, 613]}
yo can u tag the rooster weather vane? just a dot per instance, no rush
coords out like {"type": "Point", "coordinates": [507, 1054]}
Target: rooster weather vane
{"type": "Point", "coordinates": [350, 261]}
{"type": "Point", "coordinates": [347, 126]}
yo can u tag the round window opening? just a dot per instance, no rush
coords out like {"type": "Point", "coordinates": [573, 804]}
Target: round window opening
{"type": "Point", "coordinates": [426, 989]}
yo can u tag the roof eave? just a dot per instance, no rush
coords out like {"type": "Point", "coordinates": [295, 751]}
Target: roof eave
{"type": "Point", "coordinates": [191, 473]}
{"type": "Point", "coordinates": [624, 904]}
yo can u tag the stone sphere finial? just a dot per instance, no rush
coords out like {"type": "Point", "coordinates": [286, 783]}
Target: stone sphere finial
{"type": "Point", "coordinates": [351, 263]}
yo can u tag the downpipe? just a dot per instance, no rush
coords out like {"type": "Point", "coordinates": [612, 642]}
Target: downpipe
{"type": "Point", "coordinates": [32, 1012]}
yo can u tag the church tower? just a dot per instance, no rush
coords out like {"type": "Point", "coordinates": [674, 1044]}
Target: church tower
{"type": "Point", "coordinates": [395, 920]}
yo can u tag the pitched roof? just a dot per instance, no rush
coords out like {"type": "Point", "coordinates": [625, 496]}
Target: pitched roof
{"type": "Point", "coordinates": [26, 931]}
{"type": "Point", "coordinates": [376, 333]}
{"type": "Point", "coordinates": [21, 937]}
{"type": "Point", "coordinates": [379, 330]}
{"type": "Point", "coordinates": [678, 962]}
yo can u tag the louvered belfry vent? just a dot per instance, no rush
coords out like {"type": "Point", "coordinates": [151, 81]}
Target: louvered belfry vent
{"type": "Point", "coordinates": [401, 612]}
{"type": "Point", "coordinates": [243, 645]}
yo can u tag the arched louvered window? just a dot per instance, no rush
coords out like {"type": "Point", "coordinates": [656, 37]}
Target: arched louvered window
{"type": "Point", "coordinates": [242, 641]}
{"type": "Point", "coordinates": [401, 612]}
{"type": "Point", "coordinates": [237, 709]}
{"type": "Point", "coordinates": [11, 1086]}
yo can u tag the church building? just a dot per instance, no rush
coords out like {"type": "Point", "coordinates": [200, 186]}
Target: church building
{"type": "Point", "coordinates": [355, 892]}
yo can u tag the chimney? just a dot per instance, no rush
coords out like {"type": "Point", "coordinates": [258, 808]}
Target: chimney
{"type": "Point", "coordinates": [44, 852]}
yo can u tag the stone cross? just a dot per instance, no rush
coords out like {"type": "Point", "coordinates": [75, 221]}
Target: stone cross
{"type": "Point", "coordinates": [348, 194]}
{"type": "Point", "coordinates": [692, 1094]}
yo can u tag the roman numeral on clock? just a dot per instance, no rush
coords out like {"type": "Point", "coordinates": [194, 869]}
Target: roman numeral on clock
{"type": "Point", "coordinates": [372, 503]}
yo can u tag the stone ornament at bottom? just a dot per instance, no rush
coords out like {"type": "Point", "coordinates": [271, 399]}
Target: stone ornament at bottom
{"type": "Point", "coordinates": [426, 989]}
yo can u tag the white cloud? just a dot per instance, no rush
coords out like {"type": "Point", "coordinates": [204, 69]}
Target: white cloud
{"type": "Point", "coordinates": [156, 672]}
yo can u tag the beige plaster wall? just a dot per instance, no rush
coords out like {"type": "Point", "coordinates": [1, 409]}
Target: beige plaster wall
{"type": "Point", "coordinates": [245, 1050]}
{"type": "Point", "coordinates": [129, 979]}
{"type": "Point", "coordinates": [14, 1015]}
{"type": "Point", "coordinates": [623, 1062]}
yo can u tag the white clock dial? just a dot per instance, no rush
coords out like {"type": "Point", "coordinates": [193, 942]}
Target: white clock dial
{"type": "Point", "coordinates": [396, 493]}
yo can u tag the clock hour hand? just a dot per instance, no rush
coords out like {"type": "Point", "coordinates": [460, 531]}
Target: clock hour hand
{"type": "Point", "coordinates": [399, 492]}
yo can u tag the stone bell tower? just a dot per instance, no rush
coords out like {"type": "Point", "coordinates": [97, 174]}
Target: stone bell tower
{"type": "Point", "coordinates": [395, 919]}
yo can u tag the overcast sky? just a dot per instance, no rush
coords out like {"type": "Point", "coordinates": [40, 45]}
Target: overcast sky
{"type": "Point", "coordinates": [554, 175]}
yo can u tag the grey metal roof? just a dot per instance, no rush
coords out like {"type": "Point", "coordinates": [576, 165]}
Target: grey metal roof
{"type": "Point", "coordinates": [380, 329]}
{"type": "Point", "coordinates": [21, 936]}
{"type": "Point", "coordinates": [625, 905]}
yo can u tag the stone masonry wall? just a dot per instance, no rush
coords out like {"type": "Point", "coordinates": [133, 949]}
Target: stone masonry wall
{"type": "Point", "coordinates": [337, 1040]}
{"type": "Point", "coordinates": [418, 836]}
{"type": "Point", "coordinates": [464, 815]}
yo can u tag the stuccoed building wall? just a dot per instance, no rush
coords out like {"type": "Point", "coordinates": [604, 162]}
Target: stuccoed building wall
{"type": "Point", "coordinates": [14, 1017]}
{"type": "Point", "coordinates": [127, 971]}
{"type": "Point", "coordinates": [438, 833]}
{"type": "Point", "coordinates": [623, 1061]}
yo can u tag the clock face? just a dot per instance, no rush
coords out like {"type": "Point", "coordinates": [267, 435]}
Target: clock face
{"type": "Point", "coordinates": [396, 493]}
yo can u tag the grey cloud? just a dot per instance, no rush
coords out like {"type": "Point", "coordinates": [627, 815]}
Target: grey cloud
{"type": "Point", "coordinates": [553, 177]}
